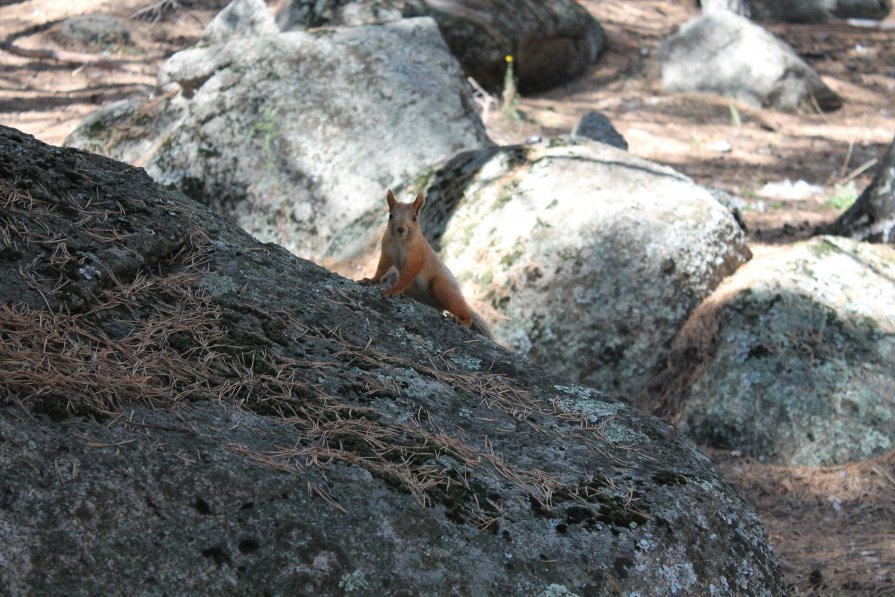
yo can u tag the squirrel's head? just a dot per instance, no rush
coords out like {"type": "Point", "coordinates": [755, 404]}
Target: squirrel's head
{"type": "Point", "coordinates": [404, 218]}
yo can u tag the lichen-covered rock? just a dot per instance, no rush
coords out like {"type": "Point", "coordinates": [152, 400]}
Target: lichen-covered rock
{"type": "Point", "coordinates": [305, 14]}
{"type": "Point", "coordinates": [551, 41]}
{"type": "Point", "coordinates": [584, 259]}
{"type": "Point", "coordinates": [818, 11]}
{"type": "Point", "coordinates": [792, 360]}
{"type": "Point", "coordinates": [260, 425]}
{"type": "Point", "coordinates": [94, 33]}
{"type": "Point", "coordinates": [726, 54]}
{"type": "Point", "coordinates": [240, 18]}
{"type": "Point", "coordinates": [295, 134]}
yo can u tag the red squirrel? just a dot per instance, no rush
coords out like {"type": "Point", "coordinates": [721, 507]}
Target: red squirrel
{"type": "Point", "coordinates": [408, 264]}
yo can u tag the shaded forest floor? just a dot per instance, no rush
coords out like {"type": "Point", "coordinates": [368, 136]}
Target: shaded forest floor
{"type": "Point", "coordinates": [834, 528]}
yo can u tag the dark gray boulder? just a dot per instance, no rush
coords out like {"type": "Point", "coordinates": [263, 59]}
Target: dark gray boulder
{"type": "Point", "coordinates": [551, 41]}
{"type": "Point", "coordinates": [595, 125]}
{"type": "Point", "coordinates": [305, 14]}
{"type": "Point", "coordinates": [186, 411]}
{"type": "Point", "coordinates": [726, 54]}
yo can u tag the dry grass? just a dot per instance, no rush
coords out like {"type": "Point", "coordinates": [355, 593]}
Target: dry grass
{"type": "Point", "coordinates": [73, 362]}
{"type": "Point", "coordinates": [832, 526]}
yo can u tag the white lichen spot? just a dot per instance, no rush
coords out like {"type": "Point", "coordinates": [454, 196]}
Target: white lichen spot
{"type": "Point", "coordinates": [705, 485]}
{"type": "Point", "coordinates": [723, 590]}
{"type": "Point", "coordinates": [467, 362]}
{"type": "Point", "coordinates": [594, 410]}
{"type": "Point", "coordinates": [519, 341]}
{"type": "Point", "coordinates": [408, 338]}
{"type": "Point", "coordinates": [619, 434]}
{"type": "Point", "coordinates": [217, 285]}
{"type": "Point", "coordinates": [354, 582]}
{"type": "Point", "coordinates": [576, 390]}
{"type": "Point", "coordinates": [556, 590]}
{"type": "Point", "coordinates": [872, 441]}
{"type": "Point", "coordinates": [585, 402]}
{"type": "Point", "coordinates": [322, 562]}
{"type": "Point", "coordinates": [89, 272]}
{"type": "Point", "coordinates": [746, 573]}
{"type": "Point", "coordinates": [679, 578]}
{"type": "Point", "coordinates": [389, 408]}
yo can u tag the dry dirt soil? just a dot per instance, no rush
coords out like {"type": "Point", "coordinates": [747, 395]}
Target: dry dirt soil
{"type": "Point", "coordinates": [834, 528]}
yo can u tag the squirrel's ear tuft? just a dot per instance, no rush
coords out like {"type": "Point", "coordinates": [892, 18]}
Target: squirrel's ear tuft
{"type": "Point", "coordinates": [419, 202]}
{"type": "Point", "coordinates": [390, 198]}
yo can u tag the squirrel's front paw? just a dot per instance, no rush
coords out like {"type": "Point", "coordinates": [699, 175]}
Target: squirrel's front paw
{"type": "Point", "coordinates": [366, 281]}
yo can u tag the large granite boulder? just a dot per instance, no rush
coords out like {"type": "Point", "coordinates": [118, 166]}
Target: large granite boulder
{"type": "Point", "coordinates": [818, 11]}
{"type": "Point", "coordinates": [186, 411]}
{"type": "Point", "coordinates": [551, 41]}
{"type": "Point", "coordinates": [240, 18]}
{"type": "Point", "coordinates": [294, 134]}
{"type": "Point", "coordinates": [792, 360]}
{"type": "Point", "coordinates": [585, 259]}
{"type": "Point", "coordinates": [726, 54]}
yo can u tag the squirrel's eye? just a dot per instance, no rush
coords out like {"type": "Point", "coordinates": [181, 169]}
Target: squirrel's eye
{"type": "Point", "coordinates": [389, 216]}
{"type": "Point", "coordinates": [414, 218]}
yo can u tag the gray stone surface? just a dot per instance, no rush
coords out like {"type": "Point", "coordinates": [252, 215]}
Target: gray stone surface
{"type": "Point", "coordinates": [93, 32]}
{"type": "Point", "coordinates": [595, 125]}
{"type": "Point", "coordinates": [283, 430]}
{"type": "Point", "coordinates": [818, 11]}
{"type": "Point", "coordinates": [293, 135]}
{"type": "Point", "coordinates": [792, 360]}
{"type": "Point", "coordinates": [583, 258]}
{"type": "Point", "coordinates": [303, 14]}
{"type": "Point", "coordinates": [240, 18]}
{"type": "Point", "coordinates": [726, 54]}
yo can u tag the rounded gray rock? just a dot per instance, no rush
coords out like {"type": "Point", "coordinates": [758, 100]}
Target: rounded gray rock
{"type": "Point", "coordinates": [726, 54]}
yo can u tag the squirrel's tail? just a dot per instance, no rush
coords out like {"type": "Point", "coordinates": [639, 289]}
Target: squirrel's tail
{"type": "Point", "coordinates": [479, 325]}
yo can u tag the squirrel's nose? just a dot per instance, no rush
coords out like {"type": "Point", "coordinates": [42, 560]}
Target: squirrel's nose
{"type": "Point", "coordinates": [400, 229]}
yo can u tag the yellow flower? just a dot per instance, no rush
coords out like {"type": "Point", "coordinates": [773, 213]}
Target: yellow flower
{"type": "Point", "coordinates": [509, 59]}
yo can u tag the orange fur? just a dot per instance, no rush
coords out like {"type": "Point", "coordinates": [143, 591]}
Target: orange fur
{"type": "Point", "coordinates": [421, 275]}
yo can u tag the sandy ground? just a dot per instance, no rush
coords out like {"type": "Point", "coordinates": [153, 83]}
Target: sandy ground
{"type": "Point", "coordinates": [834, 528]}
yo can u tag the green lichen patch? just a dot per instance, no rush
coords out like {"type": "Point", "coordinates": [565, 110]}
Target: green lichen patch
{"type": "Point", "coordinates": [218, 285]}
{"type": "Point", "coordinates": [556, 590]}
{"type": "Point", "coordinates": [467, 362]}
{"type": "Point", "coordinates": [354, 582]}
